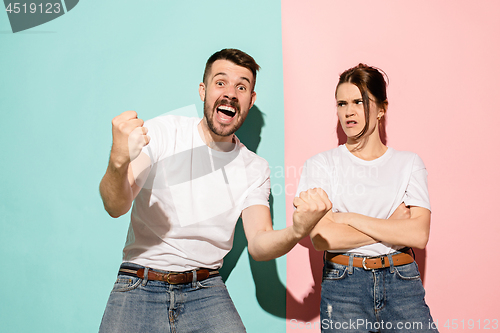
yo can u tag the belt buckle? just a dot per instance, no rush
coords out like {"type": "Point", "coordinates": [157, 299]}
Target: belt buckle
{"type": "Point", "coordinates": [363, 263]}
{"type": "Point", "coordinates": [382, 262]}
{"type": "Point", "coordinates": [167, 278]}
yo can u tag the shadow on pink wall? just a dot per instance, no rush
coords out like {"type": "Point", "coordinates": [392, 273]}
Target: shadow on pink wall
{"type": "Point", "coordinates": [308, 308]}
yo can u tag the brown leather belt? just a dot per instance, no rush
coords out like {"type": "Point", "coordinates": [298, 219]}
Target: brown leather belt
{"type": "Point", "coordinates": [172, 277]}
{"type": "Point", "coordinates": [371, 262]}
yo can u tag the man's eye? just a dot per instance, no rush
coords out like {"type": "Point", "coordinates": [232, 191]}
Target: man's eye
{"type": "Point", "coordinates": [242, 88]}
{"type": "Point", "coordinates": [219, 83]}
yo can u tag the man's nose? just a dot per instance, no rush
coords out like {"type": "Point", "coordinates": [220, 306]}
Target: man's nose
{"type": "Point", "coordinates": [230, 92]}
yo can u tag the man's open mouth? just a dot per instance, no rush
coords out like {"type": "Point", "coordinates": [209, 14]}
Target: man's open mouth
{"type": "Point", "coordinates": [228, 111]}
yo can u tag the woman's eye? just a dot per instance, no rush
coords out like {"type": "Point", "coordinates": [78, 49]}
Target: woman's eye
{"type": "Point", "coordinates": [359, 102]}
{"type": "Point", "coordinates": [339, 104]}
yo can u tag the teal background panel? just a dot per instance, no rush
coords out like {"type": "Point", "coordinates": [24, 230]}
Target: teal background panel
{"type": "Point", "coordinates": [61, 84]}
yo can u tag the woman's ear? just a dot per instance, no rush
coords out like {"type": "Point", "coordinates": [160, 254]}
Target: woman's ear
{"type": "Point", "coordinates": [380, 114]}
{"type": "Point", "coordinates": [382, 110]}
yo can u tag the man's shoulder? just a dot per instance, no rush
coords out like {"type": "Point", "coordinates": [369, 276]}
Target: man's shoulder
{"type": "Point", "coordinates": [252, 159]}
{"type": "Point", "coordinates": [247, 153]}
{"type": "Point", "coordinates": [174, 120]}
{"type": "Point", "coordinates": [171, 125]}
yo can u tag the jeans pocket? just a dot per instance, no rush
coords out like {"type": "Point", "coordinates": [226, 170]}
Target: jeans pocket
{"type": "Point", "coordinates": [126, 283]}
{"type": "Point", "coordinates": [408, 271]}
{"type": "Point", "coordinates": [333, 271]}
{"type": "Point", "coordinates": [212, 282]}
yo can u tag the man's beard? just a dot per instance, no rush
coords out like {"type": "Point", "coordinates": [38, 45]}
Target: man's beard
{"type": "Point", "coordinates": [225, 130]}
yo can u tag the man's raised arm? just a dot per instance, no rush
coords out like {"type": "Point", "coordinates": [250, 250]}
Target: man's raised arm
{"type": "Point", "coordinates": [118, 186]}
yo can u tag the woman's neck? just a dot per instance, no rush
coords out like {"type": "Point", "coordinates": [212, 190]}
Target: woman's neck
{"type": "Point", "coordinates": [367, 148]}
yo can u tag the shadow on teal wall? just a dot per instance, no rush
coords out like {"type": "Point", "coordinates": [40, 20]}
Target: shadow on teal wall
{"type": "Point", "coordinates": [270, 291]}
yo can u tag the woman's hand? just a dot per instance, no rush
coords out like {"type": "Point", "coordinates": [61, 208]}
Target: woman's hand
{"type": "Point", "coordinates": [401, 213]}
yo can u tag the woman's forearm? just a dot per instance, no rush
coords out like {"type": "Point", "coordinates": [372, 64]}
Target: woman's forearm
{"type": "Point", "coordinates": [413, 231]}
{"type": "Point", "coordinates": [328, 235]}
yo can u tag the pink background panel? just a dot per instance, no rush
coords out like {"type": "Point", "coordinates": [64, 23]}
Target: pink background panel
{"type": "Point", "coordinates": [442, 59]}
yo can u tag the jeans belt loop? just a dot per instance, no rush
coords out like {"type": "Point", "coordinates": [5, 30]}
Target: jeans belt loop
{"type": "Point", "coordinates": [193, 283]}
{"type": "Point", "coordinates": [146, 274]}
{"type": "Point", "coordinates": [350, 268]}
{"type": "Point", "coordinates": [391, 262]}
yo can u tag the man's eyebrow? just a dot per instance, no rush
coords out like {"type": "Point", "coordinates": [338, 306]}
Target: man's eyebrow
{"type": "Point", "coordinates": [246, 79]}
{"type": "Point", "coordinates": [220, 73]}
{"type": "Point", "coordinates": [242, 78]}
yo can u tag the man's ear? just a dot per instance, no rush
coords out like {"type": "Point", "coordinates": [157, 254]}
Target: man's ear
{"type": "Point", "coordinates": [254, 97]}
{"type": "Point", "coordinates": [201, 91]}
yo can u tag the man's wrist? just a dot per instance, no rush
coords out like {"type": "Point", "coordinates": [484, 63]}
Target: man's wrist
{"type": "Point", "coordinates": [298, 234]}
{"type": "Point", "coordinates": [117, 163]}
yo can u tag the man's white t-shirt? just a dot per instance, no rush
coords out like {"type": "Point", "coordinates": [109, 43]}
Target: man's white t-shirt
{"type": "Point", "coordinates": [372, 188]}
{"type": "Point", "coordinates": [185, 214]}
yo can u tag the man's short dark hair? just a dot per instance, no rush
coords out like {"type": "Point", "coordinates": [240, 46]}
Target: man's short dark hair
{"type": "Point", "coordinates": [237, 57]}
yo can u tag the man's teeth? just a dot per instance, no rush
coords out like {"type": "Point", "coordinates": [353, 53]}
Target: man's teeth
{"type": "Point", "coordinates": [227, 109]}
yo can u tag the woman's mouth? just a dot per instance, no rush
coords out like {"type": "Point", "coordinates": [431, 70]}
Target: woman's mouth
{"type": "Point", "coordinates": [351, 123]}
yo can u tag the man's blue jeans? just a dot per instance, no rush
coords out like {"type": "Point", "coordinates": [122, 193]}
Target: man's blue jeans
{"type": "Point", "coordinates": [136, 305]}
{"type": "Point", "coordinates": [381, 300]}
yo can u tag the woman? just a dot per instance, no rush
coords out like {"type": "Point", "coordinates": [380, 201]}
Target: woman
{"type": "Point", "coordinates": [381, 209]}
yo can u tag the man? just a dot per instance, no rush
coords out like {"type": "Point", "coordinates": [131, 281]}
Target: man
{"type": "Point", "coordinates": [191, 179]}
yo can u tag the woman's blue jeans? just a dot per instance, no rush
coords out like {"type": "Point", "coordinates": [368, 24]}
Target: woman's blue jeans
{"type": "Point", "coordinates": [380, 300]}
{"type": "Point", "coordinates": [137, 305]}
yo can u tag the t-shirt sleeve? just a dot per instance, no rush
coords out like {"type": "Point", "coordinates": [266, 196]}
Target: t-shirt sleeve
{"type": "Point", "coordinates": [316, 174]}
{"type": "Point", "coordinates": [417, 193]}
{"type": "Point", "coordinates": [259, 194]}
{"type": "Point", "coordinates": [159, 132]}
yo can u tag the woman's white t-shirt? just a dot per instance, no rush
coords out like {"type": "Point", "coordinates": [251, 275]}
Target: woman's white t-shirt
{"type": "Point", "coordinates": [372, 188]}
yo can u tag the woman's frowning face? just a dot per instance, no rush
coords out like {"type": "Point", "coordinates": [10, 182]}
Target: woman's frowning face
{"type": "Point", "coordinates": [351, 112]}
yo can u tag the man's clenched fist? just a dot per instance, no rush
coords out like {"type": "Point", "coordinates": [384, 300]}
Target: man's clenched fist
{"type": "Point", "coordinates": [129, 137]}
{"type": "Point", "coordinates": [311, 206]}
